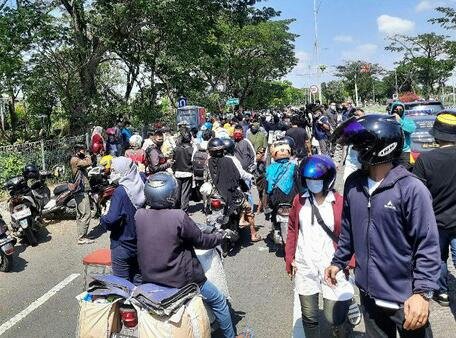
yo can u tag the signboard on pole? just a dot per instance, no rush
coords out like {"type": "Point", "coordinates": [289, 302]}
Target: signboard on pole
{"type": "Point", "coordinates": [314, 89]}
{"type": "Point", "coordinates": [232, 102]}
{"type": "Point", "coordinates": [182, 102]}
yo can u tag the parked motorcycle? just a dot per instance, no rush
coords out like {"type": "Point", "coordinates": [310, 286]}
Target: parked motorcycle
{"type": "Point", "coordinates": [27, 202]}
{"type": "Point", "coordinates": [7, 243]}
{"type": "Point", "coordinates": [63, 204]}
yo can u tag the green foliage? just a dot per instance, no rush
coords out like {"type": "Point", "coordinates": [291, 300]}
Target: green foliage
{"type": "Point", "coordinates": [334, 91]}
{"type": "Point", "coordinates": [10, 165]}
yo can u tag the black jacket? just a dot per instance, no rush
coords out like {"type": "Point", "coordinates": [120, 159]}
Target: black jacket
{"type": "Point", "coordinates": [183, 158]}
{"type": "Point", "coordinates": [166, 239]}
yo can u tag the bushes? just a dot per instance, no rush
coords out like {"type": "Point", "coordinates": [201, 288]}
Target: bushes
{"type": "Point", "coordinates": [10, 165]}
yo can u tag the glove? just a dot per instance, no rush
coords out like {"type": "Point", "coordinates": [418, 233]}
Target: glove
{"type": "Point", "coordinates": [231, 235]}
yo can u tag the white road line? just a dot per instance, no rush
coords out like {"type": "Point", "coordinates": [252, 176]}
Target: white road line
{"type": "Point", "coordinates": [37, 303]}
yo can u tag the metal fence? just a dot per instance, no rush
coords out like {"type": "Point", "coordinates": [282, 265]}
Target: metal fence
{"type": "Point", "coordinates": [46, 154]}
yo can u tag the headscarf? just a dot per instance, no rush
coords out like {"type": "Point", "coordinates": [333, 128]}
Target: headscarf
{"type": "Point", "coordinates": [97, 131]}
{"type": "Point", "coordinates": [130, 180]}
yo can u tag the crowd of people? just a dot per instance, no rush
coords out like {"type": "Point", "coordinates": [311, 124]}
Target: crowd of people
{"type": "Point", "coordinates": [397, 221]}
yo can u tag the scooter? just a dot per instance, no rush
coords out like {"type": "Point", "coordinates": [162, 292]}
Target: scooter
{"type": "Point", "coordinates": [218, 218]}
{"type": "Point", "coordinates": [25, 206]}
{"type": "Point", "coordinates": [279, 218]}
{"type": "Point", "coordinates": [7, 243]}
{"type": "Point", "coordinates": [63, 204]}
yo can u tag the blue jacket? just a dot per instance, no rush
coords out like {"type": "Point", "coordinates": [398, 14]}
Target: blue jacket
{"type": "Point", "coordinates": [120, 220]}
{"type": "Point", "coordinates": [395, 240]}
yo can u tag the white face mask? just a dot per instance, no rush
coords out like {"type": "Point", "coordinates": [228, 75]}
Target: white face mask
{"type": "Point", "coordinates": [315, 186]}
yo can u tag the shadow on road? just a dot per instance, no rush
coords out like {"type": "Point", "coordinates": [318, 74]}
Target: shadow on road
{"type": "Point", "coordinates": [278, 250]}
{"type": "Point", "coordinates": [19, 263]}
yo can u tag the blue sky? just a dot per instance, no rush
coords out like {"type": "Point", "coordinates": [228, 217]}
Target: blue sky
{"type": "Point", "coordinates": [353, 29]}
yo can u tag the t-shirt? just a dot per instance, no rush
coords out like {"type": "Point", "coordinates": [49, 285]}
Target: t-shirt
{"type": "Point", "coordinates": [372, 185]}
{"type": "Point", "coordinates": [299, 136]}
{"type": "Point", "coordinates": [437, 168]}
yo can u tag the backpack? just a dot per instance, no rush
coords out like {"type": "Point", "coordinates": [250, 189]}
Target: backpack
{"type": "Point", "coordinates": [200, 162]}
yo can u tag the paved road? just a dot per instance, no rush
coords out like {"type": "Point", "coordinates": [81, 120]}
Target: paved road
{"type": "Point", "coordinates": [262, 293]}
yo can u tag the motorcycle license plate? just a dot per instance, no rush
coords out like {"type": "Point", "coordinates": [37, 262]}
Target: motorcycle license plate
{"type": "Point", "coordinates": [19, 215]}
{"type": "Point", "coordinates": [23, 223]}
{"type": "Point", "coordinates": [8, 248]}
{"type": "Point", "coordinates": [282, 219]}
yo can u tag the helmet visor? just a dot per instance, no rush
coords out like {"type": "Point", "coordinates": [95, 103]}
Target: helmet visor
{"type": "Point", "coordinates": [352, 132]}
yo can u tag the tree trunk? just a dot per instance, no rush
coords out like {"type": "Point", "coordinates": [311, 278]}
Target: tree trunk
{"type": "Point", "coordinates": [12, 112]}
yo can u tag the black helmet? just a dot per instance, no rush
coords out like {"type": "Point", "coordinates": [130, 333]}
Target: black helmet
{"type": "Point", "coordinates": [31, 171]}
{"type": "Point", "coordinates": [290, 142]}
{"type": "Point", "coordinates": [444, 128]}
{"type": "Point", "coordinates": [229, 145]}
{"type": "Point", "coordinates": [377, 138]}
{"type": "Point", "coordinates": [216, 147]}
{"type": "Point", "coordinates": [161, 191]}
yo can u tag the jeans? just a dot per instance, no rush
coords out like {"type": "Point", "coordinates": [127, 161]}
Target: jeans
{"type": "Point", "coordinates": [324, 148]}
{"type": "Point", "coordinates": [185, 191]}
{"type": "Point", "coordinates": [447, 243]}
{"type": "Point", "coordinates": [217, 302]}
{"type": "Point", "coordinates": [125, 265]}
{"type": "Point", "coordinates": [83, 213]}
{"type": "Point", "coordinates": [383, 323]}
{"type": "Point", "coordinates": [335, 313]}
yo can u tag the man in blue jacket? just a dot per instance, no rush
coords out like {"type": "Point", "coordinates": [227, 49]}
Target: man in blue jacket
{"type": "Point", "coordinates": [389, 224]}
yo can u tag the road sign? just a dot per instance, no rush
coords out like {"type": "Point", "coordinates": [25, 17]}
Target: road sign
{"type": "Point", "coordinates": [232, 102]}
{"type": "Point", "coordinates": [314, 89]}
{"type": "Point", "coordinates": [182, 102]}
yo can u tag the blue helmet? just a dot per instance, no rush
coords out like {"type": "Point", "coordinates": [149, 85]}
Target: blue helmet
{"type": "Point", "coordinates": [319, 167]}
{"type": "Point", "coordinates": [161, 191]}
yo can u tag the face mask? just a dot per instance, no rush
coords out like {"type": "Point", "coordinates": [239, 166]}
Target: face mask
{"type": "Point", "coordinates": [254, 130]}
{"type": "Point", "coordinates": [315, 186]}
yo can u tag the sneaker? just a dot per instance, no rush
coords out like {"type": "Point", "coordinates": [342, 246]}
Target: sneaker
{"type": "Point", "coordinates": [442, 299]}
{"type": "Point", "coordinates": [83, 241]}
{"type": "Point", "coordinates": [354, 314]}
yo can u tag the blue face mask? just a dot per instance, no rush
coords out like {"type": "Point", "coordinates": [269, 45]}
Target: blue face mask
{"type": "Point", "coordinates": [315, 186]}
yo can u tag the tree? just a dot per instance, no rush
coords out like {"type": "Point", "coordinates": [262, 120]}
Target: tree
{"type": "Point", "coordinates": [334, 91]}
{"type": "Point", "coordinates": [363, 74]}
{"type": "Point", "coordinates": [427, 55]}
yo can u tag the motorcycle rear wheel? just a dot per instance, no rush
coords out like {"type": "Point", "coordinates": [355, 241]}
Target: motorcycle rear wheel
{"type": "Point", "coordinates": [6, 262]}
{"type": "Point", "coordinates": [30, 237]}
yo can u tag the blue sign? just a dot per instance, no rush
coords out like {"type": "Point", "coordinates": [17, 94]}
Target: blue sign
{"type": "Point", "coordinates": [182, 102]}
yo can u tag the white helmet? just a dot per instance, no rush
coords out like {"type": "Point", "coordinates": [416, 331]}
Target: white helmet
{"type": "Point", "coordinates": [136, 141]}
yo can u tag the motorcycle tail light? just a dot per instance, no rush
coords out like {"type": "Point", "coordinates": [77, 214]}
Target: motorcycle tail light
{"type": "Point", "coordinates": [216, 204]}
{"type": "Point", "coordinates": [283, 211]}
{"type": "Point", "coordinates": [8, 249]}
{"type": "Point", "coordinates": [128, 316]}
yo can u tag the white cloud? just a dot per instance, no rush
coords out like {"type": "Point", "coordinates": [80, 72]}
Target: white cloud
{"type": "Point", "coordinates": [303, 63]}
{"type": "Point", "coordinates": [393, 25]}
{"type": "Point", "coordinates": [343, 39]}
{"type": "Point", "coordinates": [424, 5]}
{"type": "Point", "coordinates": [361, 52]}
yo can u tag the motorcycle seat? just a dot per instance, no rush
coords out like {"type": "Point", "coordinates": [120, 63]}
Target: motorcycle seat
{"type": "Point", "coordinates": [60, 189]}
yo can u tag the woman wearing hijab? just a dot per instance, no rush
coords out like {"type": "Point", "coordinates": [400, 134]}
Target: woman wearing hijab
{"type": "Point", "coordinates": [97, 143]}
{"type": "Point", "coordinates": [120, 219]}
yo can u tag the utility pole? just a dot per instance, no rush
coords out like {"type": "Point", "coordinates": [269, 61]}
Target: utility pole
{"type": "Point", "coordinates": [454, 94]}
{"type": "Point", "coordinates": [356, 90]}
{"type": "Point", "coordinates": [317, 47]}
{"type": "Point", "coordinates": [397, 88]}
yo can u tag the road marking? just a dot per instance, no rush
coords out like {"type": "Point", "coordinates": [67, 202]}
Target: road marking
{"type": "Point", "coordinates": [37, 303]}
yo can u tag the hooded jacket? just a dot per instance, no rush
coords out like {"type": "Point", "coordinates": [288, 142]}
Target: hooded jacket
{"type": "Point", "coordinates": [393, 234]}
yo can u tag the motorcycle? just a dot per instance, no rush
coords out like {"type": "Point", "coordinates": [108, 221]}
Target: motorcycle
{"type": "Point", "coordinates": [7, 243]}
{"type": "Point", "coordinates": [218, 218]}
{"type": "Point", "coordinates": [26, 204]}
{"type": "Point", "coordinates": [63, 204]}
{"type": "Point", "coordinates": [212, 265]}
{"type": "Point", "coordinates": [279, 219]}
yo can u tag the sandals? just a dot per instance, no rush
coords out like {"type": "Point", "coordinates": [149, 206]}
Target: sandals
{"type": "Point", "coordinates": [255, 238]}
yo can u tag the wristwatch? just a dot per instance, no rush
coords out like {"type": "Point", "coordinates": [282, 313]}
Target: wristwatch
{"type": "Point", "coordinates": [427, 294]}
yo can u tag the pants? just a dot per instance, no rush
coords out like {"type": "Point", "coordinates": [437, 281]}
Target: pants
{"type": "Point", "coordinates": [217, 302]}
{"type": "Point", "coordinates": [185, 191]}
{"type": "Point", "coordinates": [335, 313]}
{"type": "Point", "coordinates": [125, 265]}
{"type": "Point", "coordinates": [83, 213]}
{"type": "Point", "coordinates": [381, 322]}
{"type": "Point", "coordinates": [447, 243]}
{"type": "Point", "coordinates": [324, 149]}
